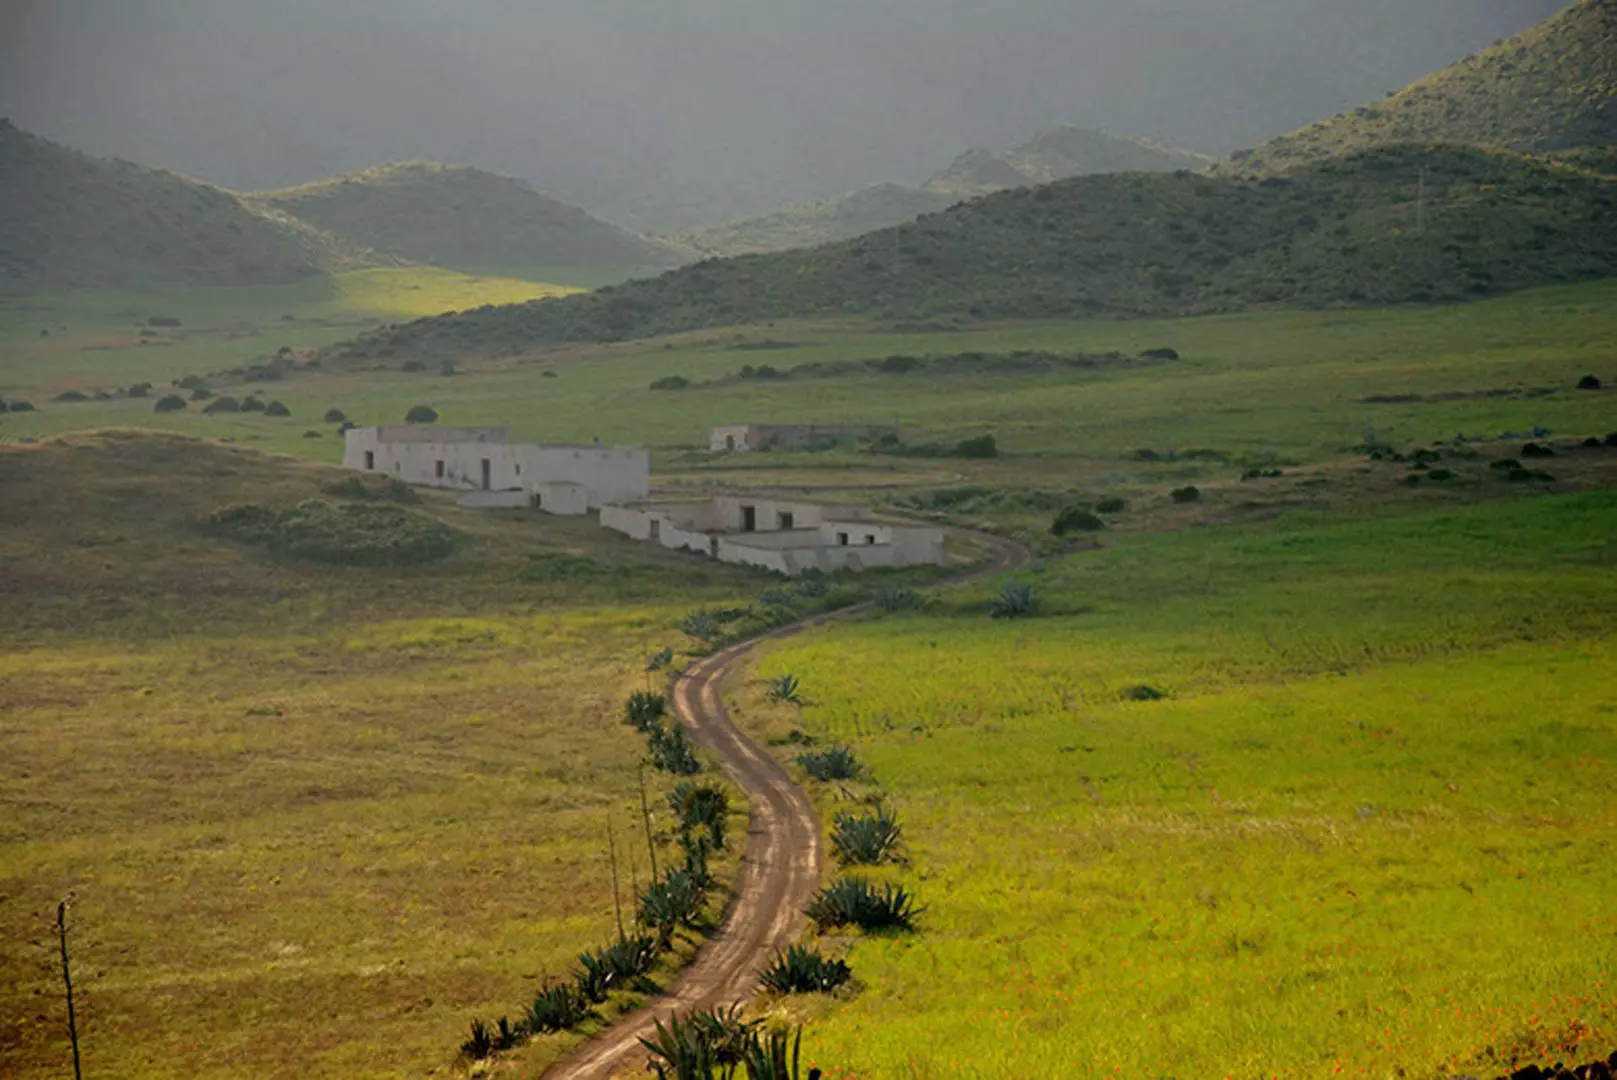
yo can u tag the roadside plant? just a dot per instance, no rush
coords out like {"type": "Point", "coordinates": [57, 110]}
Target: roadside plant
{"type": "Point", "coordinates": [868, 838]}
{"type": "Point", "coordinates": [701, 806]}
{"type": "Point", "coordinates": [487, 1041]}
{"type": "Point", "coordinates": [801, 970]}
{"type": "Point", "coordinates": [614, 965]}
{"type": "Point", "coordinates": [657, 661]}
{"type": "Point", "coordinates": [1014, 602]}
{"type": "Point", "coordinates": [784, 689]}
{"type": "Point", "coordinates": [890, 599]}
{"type": "Point", "coordinates": [644, 711]}
{"type": "Point", "coordinates": [672, 751]}
{"type": "Point", "coordinates": [775, 1056]}
{"type": "Point", "coordinates": [706, 1044]}
{"type": "Point", "coordinates": [833, 763]}
{"type": "Point", "coordinates": [854, 901]}
{"type": "Point", "coordinates": [557, 1007]}
{"type": "Point", "coordinates": [701, 625]}
{"type": "Point", "coordinates": [667, 904]}
{"type": "Point", "coordinates": [1076, 519]}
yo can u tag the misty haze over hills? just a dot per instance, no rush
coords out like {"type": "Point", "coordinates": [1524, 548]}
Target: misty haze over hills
{"type": "Point", "coordinates": [671, 116]}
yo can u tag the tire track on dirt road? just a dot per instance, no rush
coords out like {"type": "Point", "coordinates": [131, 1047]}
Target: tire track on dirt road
{"type": "Point", "coordinates": [780, 870]}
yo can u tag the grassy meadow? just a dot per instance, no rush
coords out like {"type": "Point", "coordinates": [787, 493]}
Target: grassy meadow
{"type": "Point", "coordinates": [314, 818]}
{"type": "Point", "coordinates": [1368, 828]}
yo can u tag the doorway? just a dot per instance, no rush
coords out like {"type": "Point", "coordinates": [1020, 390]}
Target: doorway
{"type": "Point", "coordinates": [749, 519]}
{"type": "Point", "coordinates": [487, 473]}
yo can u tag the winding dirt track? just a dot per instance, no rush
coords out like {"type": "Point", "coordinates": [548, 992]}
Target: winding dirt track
{"type": "Point", "coordinates": [780, 870]}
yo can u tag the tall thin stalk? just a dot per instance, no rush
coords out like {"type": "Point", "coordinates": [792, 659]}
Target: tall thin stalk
{"type": "Point", "coordinates": [612, 853]}
{"type": "Point", "coordinates": [645, 815]}
{"type": "Point", "coordinates": [67, 981]}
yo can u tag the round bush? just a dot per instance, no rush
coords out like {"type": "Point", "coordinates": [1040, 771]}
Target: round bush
{"type": "Point", "coordinates": [421, 414]}
{"type": "Point", "coordinates": [171, 403]}
{"type": "Point", "coordinates": [275, 408]}
{"type": "Point", "coordinates": [1076, 519]}
{"type": "Point", "coordinates": [335, 416]}
{"type": "Point", "coordinates": [1188, 494]}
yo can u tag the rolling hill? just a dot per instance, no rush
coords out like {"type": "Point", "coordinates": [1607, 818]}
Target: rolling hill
{"type": "Point", "coordinates": [71, 221]}
{"type": "Point", "coordinates": [1396, 224]}
{"type": "Point", "coordinates": [1056, 154]}
{"type": "Point", "coordinates": [462, 218]}
{"type": "Point", "coordinates": [1548, 90]}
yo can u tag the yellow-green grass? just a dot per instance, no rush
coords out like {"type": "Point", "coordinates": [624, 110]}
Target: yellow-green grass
{"type": "Point", "coordinates": [1371, 826]}
{"type": "Point", "coordinates": [314, 819]}
{"type": "Point", "coordinates": [94, 338]}
{"type": "Point", "coordinates": [1286, 384]}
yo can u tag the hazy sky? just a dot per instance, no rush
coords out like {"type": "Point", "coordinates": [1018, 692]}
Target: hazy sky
{"type": "Point", "coordinates": [669, 113]}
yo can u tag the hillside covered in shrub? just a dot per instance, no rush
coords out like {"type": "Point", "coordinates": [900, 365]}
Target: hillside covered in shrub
{"type": "Point", "coordinates": [1392, 225]}
{"type": "Point", "coordinates": [1550, 89]}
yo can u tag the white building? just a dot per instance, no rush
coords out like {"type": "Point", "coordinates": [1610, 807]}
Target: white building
{"type": "Point", "coordinates": [558, 479]}
{"type": "Point", "coordinates": [729, 438]}
{"type": "Point", "coordinates": [786, 536]}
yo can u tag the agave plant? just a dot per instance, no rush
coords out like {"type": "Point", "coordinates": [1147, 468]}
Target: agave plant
{"type": "Point", "coordinates": [487, 1041]}
{"type": "Point", "coordinates": [1014, 601]}
{"type": "Point", "coordinates": [813, 584]}
{"type": "Point", "coordinates": [608, 968]}
{"type": "Point", "coordinates": [785, 689]}
{"type": "Point", "coordinates": [707, 1045]}
{"type": "Point", "coordinates": [645, 711]}
{"type": "Point", "coordinates": [801, 970]}
{"type": "Point", "coordinates": [865, 838]}
{"type": "Point", "coordinates": [676, 899]}
{"type": "Point", "coordinates": [775, 1056]}
{"type": "Point", "coordinates": [776, 597]}
{"type": "Point", "coordinates": [889, 599]}
{"type": "Point", "coordinates": [659, 660]}
{"type": "Point", "coordinates": [854, 901]}
{"type": "Point", "coordinates": [701, 806]}
{"type": "Point", "coordinates": [832, 763]}
{"type": "Point", "coordinates": [672, 751]}
{"type": "Point", "coordinates": [556, 1008]}
{"type": "Point", "coordinates": [702, 625]}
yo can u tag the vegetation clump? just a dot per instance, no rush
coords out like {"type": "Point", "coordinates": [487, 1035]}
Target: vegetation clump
{"type": "Point", "coordinates": [335, 416]}
{"type": "Point", "coordinates": [644, 711]}
{"type": "Point", "coordinates": [276, 408]}
{"type": "Point", "coordinates": [855, 901]}
{"type": "Point", "coordinates": [671, 382]}
{"type": "Point", "coordinates": [1188, 494]}
{"type": "Point", "coordinates": [701, 806]}
{"type": "Point", "coordinates": [833, 763]}
{"type": "Point", "coordinates": [801, 970]}
{"type": "Point", "coordinates": [869, 838]}
{"type": "Point", "coordinates": [785, 689]}
{"type": "Point", "coordinates": [1014, 601]}
{"type": "Point", "coordinates": [371, 487]}
{"type": "Point", "coordinates": [169, 403]}
{"type": "Point", "coordinates": [225, 403]}
{"type": "Point", "coordinates": [358, 535]}
{"type": "Point", "coordinates": [890, 599]}
{"type": "Point", "coordinates": [1076, 519]}
{"type": "Point", "coordinates": [672, 751]}
{"type": "Point", "coordinates": [421, 414]}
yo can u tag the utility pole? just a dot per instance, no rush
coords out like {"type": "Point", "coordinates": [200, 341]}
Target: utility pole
{"type": "Point", "coordinates": [67, 981]}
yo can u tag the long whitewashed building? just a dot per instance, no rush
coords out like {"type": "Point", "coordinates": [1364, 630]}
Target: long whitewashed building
{"type": "Point", "coordinates": [560, 479]}
{"type": "Point", "coordinates": [786, 536]}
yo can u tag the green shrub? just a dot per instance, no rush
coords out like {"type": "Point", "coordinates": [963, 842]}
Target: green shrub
{"type": "Point", "coordinates": [225, 403]}
{"type": "Point", "coordinates": [143, 389]}
{"type": "Point", "coordinates": [801, 970]}
{"type": "Point", "coordinates": [832, 763]}
{"type": "Point", "coordinates": [702, 625]}
{"type": "Point", "coordinates": [1161, 354]}
{"type": "Point", "coordinates": [335, 416]}
{"type": "Point", "coordinates": [671, 902]}
{"type": "Point", "coordinates": [201, 393]}
{"type": "Point", "coordinates": [813, 584]}
{"type": "Point", "coordinates": [371, 487]}
{"type": "Point", "coordinates": [359, 535]}
{"type": "Point", "coordinates": [707, 1045]}
{"type": "Point", "coordinates": [701, 806]}
{"type": "Point", "coordinates": [487, 1041]}
{"type": "Point", "coordinates": [776, 597]}
{"type": "Point", "coordinates": [1015, 601]}
{"type": "Point", "coordinates": [644, 711]}
{"type": "Point", "coordinates": [252, 404]}
{"type": "Point", "coordinates": [1076, 519]}
{"type": "Point", "coordinates": [1111, 505]}
{"type": "Point", "coordinates": [854, 901]}
{"type": "Point", "coordinates": [890, 599]}
{"type": "Point", "coordinates": [72, 395]}
{"type": "Point", "coordinates": [1142, 692]}
{"type": "Point", "coordinates": [983, 446]}
{"type": "Point", "coordinates": [1188, 494]}
{"type": "Point", "coordinates": [670, 382]}
{"type": "Point", "coordinates": [421, 414]}
{"type": "Point", "coordinates": [868, 838]}
{"type": "Point", "coordinates": [275, 408]}
{"type": "Point", "coordinates": [672, 751]}
{"type": "Point", "coordinates": [605, 969]}
{"type": "Point", "coordinates": [169, 403]}
{"type": "Point", "coordinates": [785, 689]}
{"type": "Point", "coordinates": [558, 1007]}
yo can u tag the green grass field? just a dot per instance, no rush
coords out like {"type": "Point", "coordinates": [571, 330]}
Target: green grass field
{"type": "Point", "coordinates": [314, 818]}
{"type": "Point", "coordinates": [1369, 829]}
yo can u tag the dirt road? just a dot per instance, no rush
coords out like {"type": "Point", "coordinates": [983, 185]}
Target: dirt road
{"type": "Point", "coordinates": [779, 872]}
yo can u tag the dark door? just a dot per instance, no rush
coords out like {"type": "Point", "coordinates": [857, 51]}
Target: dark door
{"type": "Point", "coordinates": [749, 518]}
{"type": "Point", "coordinates": [486, 474]}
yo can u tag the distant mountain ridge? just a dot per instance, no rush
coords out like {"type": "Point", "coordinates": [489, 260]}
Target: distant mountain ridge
{"type": "Point", "coordinates": [1396, 224]}
{"type": "Point", "coordinates": [1056, 154]}
{"type": "Point", "coordinates": [71, 221]}
{"type": "Point", "coordinates": [1549, 90]}
{"type": "Point", "coordinates": [462, 218]}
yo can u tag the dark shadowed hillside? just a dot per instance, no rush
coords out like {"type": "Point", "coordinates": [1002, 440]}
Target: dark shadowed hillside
{"type": "Point", "coordinates": [1552, 88]}
{"type": "Point", "coordinates": [462, 218]}
{"type": "Point", "coordinates": [1365, 229]}
{"type": "Point", "coordinates": [1056, 154]}
{"type": "Point", "coordinates": [72, 221]}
